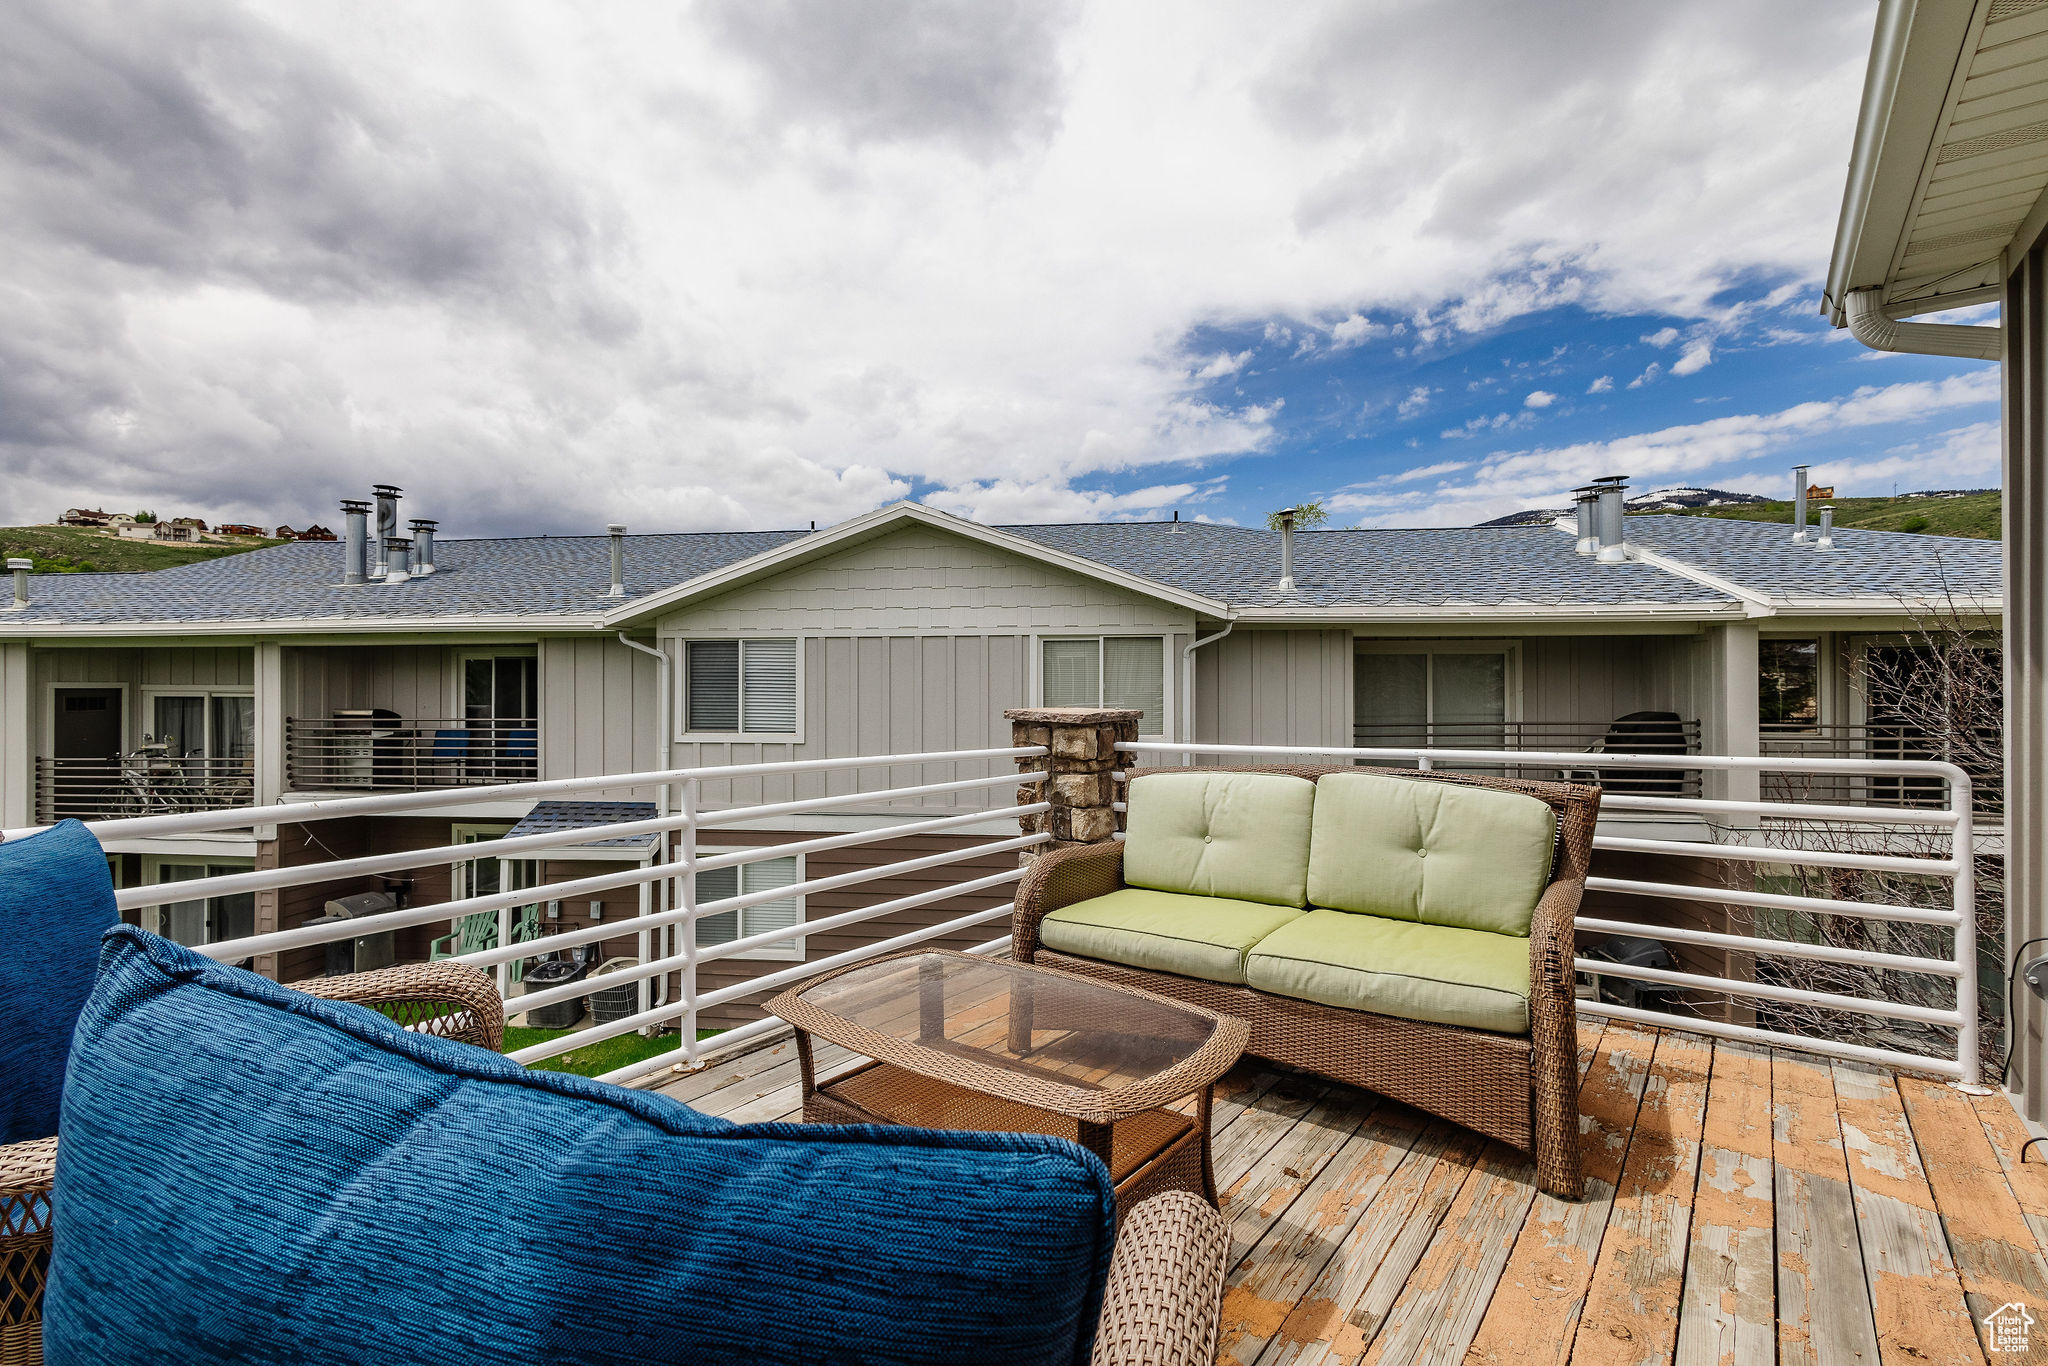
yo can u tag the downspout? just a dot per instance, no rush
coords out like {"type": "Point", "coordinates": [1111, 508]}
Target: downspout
{"type": "Point", "coordinates": [662, 759]}
{"type": "Point", "coordinates": [1187, 684]}
{"type": "Point", "coordinates": [1869, 325]}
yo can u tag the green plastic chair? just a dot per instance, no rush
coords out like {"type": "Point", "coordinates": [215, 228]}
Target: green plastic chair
{"type": "Point", "coordinates": [480, 931]}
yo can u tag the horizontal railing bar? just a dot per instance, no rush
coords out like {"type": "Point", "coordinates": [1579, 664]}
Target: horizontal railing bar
{"type": "Point", "coordinates": [1776, 901]}
{"type": "Point", "coordinates": [1882, 1057]}
{"type": "Point", "coordinates": [736, 947]}
{"type": "Point", "coordinates": [228, 884]}
{"type": "Point", "coordinates": [726, 1040]}
{"type": "Point", "coordinates": [1814, 811]}
{"type": "Point", "coordinates": [1578, 759]}
{"type": "Point", "coordinates": [1776, 948]}
{"type": "Point", "coordinates": [757, 853]}
{"type": "Point", "coordinates": [733, 815]}
{"type": "Point", "coordinates": [1765, 991]}
{"type": "Point", "coordinates": [333, 808]}
{"type": "Point", "coordinates": [1751, 853]}
{"type": "Point", "coordinates": [572, 990]}
{"type": "Point", "coordinates": [506, 953]}
{"type": "Point", "coordinates": [673, 1010]}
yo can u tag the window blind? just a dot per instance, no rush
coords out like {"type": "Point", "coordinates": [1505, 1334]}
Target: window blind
{"type": "Point", "coordinates": [716, 884]}
{"type": "Point", "coordinates": [713, 684]}
{"type": "Point", "coordinates": [768, 687]}
{"type": "Point", "coordinates": [1072, 673]}
{"type": "Point", "coordinates": [1134, 675]}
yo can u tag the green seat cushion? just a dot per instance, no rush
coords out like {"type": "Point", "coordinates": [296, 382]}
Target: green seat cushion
{"type": "Point", "coordinates": [1238, 835]}
{"type": "Point", "coordinates": [1195, 936]}
{"type": "Point", "coordinates": [1402, 968]}
{"type": "Point", "coordinates": [1414, 849]}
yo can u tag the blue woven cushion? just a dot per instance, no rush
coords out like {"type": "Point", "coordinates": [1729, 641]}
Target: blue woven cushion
{"type": "Point", "coordinates": [249, 1174]}
{"type": "Point", "coordinates": [56, 900]}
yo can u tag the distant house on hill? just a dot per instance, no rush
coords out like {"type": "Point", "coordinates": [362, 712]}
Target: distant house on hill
{"type": "Point", "coordinates": [181, 530]}
{"type": "Point", "coordinates": [313, 532]}
{"type": "Point", "coordinates": [238, 529]}
{"type": "Point", "coordinates": [84, 517]}
{"type": "Point", "coordinates": [196, 523]}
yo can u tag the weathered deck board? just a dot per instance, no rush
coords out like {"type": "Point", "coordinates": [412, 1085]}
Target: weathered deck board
{"type": "Point", "coordinates": [1827, 1201]}
{"type": "Point", "coordinates": [2029, 1180]}
{"type": "Point", "coordinates": [1535, 1310]}
{"type": "Point", "coordinates": [1727, 1311]}
{"type": "Point", "coordinates": [1993, 1248]}
{"type": "Point", "coordinates": [1824, 1313]}
{"type": "Point", "coordinates": [1631, 1314]}
{"type": "Point", "coordinates": [1916, 1298]}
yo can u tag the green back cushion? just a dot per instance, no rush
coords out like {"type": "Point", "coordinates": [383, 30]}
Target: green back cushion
{"type": "Point", "coordinates": [1444, 854]}
{"type": "Point", "coordinates": [1240, 835]}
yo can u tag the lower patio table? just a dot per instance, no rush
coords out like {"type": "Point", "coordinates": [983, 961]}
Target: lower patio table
{"type": "Point", "coordinates": [958, 1041]}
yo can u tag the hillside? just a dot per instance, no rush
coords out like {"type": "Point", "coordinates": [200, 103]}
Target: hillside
{"type": "Point", "coordinates": [1972, 514]}
{"type": "Point", "coordinates": [69, 550]}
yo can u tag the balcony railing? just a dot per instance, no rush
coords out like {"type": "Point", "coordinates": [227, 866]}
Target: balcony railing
{"type": "Point", "coordinates": [142, 784]}
{"type": "Point", "coordinates": [1882, 744]}
{"type": "Point", "coordinates": [1649, 734]}
{"type": "Point", "coordinates": [390, 753]}
{"type": "Point", "coordinates": [1942, 1018]}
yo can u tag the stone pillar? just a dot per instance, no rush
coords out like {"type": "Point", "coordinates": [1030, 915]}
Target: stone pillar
{"type": "Point", "coordinates": [1083, 742]}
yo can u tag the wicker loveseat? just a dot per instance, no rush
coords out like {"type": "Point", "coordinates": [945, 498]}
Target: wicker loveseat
{"type": "Point", "coordinates": [1305, 900]}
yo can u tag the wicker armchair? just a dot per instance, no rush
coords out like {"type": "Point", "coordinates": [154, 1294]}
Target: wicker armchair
{"type": "Point", "coordinates": [449, 999]}
{"type": "Point", "coordinates": [1520, 1089]}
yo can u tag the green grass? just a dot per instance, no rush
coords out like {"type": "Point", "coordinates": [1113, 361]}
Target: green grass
{"type": "Point", "coordinates": [72, 550]}
{"type": "Point", "coordinates": [601, 1057]}
{"type": "Point", "coordinates": [1974, 514]}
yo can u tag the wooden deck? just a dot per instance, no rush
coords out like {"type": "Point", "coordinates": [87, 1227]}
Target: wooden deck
{"type": "Point", "coordinates": [1743, 1205]}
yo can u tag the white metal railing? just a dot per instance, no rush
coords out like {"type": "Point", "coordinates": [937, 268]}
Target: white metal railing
{"type": "Point", "coordinates": [1742, 832]}
{"type": "Point", "coordinates": [669, 911]}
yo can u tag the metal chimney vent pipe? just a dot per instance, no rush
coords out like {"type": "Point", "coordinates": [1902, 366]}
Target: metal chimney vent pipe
{"type": "Point", "coordinates": [397, 551]}
{"type": "Point", "coordinates": [1287, 550]}
{"type": "Point", "coordinates": [387, 527]}
{"type": "Point", "coordinates": [1613, 490]}
{"type": "Point", "coordinates": [423, 546]}
{"type": "Point", "coordinates": [618, 535]}
{"type": "Point", "coordinates": [355, 550]}
{"type": "Point", "coordinates": [20, 568]}
{"type": "Point", "coordinates": [1586, 498]}
{"type": "Point", "coordinates": [1799, 503]}
{"type": "Point", "coordinates": [1827, 529]}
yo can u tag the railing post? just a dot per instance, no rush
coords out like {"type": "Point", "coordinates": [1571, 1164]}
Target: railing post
{"type": "Point", "coordinates": [1963, 850]}
{"type": "Point", "coordinates": [1078, 783]}
{"type": "Point", "coordinates": [686, 927]}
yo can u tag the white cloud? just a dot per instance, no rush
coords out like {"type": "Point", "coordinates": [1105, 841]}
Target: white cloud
{"type": "Point", "coordinates": [1722, 452]}
{"type": "Point", "coordinates": [1602, 385]}
{"type": "Point", "coordinates": [1649, 375]}
{"type": "Point", "coordinates": [1663, 336]}
{"type": "Point", "coordinates": [1541, 398]}
{"type": "Point", "coordinates": [1356, 330]}
{"type": "Point", "coordinates": [1481, 424]}
{"type": "Point", "coordinates": [1697, 356]}
{"type": "Point", "coordinates": [1010, 501]}
{"type": "Point", "coordinates": [1417, 400]}
{"type": "Point", "coordinates": [753, 261]}
{"type": "Point", "coordinates": [1223, 363]}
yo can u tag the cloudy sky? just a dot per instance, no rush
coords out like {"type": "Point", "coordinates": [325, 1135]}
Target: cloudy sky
{"type": "Point", "coordinates": [746, 263]}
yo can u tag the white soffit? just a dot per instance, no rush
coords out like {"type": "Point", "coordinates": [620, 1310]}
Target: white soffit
{"type": "Point", "coordinates": [1951, 157]}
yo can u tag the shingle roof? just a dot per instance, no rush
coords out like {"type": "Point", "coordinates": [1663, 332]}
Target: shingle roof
{"type": "Point", "coordinates": [548, 817]}
{"type": "Point", "coordinates": [533, 576]}
{"type": "Point", "coordinates": [1395, 567]}
{"type": "Point", "coordinates": [566, 577]}
{"type": "Point", "coordinates": [1762, 556]}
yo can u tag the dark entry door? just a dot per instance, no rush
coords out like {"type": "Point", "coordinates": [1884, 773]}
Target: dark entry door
{"type": "Point", "coordinates": [85, 742]}
{"type": "Point", "coordinates": [88, 723]}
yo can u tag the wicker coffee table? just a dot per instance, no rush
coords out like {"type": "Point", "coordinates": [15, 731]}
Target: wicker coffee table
{"type": "Point", "coordinates": [960, 1042]}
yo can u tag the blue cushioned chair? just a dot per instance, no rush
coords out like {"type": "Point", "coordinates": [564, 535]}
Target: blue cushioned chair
{"type": "Point", "coordinates": [247, 1173]}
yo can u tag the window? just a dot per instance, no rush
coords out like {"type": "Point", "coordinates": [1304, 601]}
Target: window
{"type": "Point", "coordinates": [762, 875]}
{"type": "Point", "coordinates": [1446, 697]}
{"type": "Point", "coordinates": [1788, 678]}
{"type": "Point", "coordinates": [501, 688]}
{"type": "Point", "coordinates": [205, 920]}
{"type": "Point", "coordinates": [741, 687]}
{"type": "Point", "coordinates": [482, 877]}
{"type": "Point", "coordinates": [1107, 671]}
{"type": "Point", "coordinates": [203, 724]}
